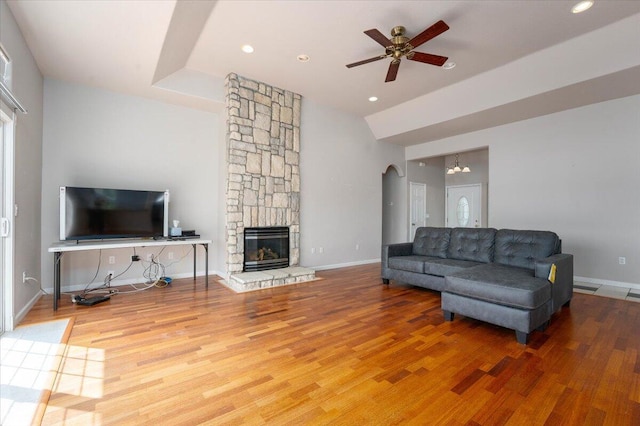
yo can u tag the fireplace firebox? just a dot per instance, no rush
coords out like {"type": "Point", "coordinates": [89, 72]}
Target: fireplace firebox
{"type": "Point", "coordinates": [266, 248]}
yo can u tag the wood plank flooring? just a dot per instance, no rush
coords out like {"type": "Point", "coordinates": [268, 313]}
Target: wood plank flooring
{"type": "Point", "coordinates": [344, 350]}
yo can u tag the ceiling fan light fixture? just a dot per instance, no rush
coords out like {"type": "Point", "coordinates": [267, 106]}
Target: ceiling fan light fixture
{"type": "Point", "coordinates": [449, 65]}
{"type": "Point", "coordinates": [303, 58]}
{"type": "Point", "coordinates": [247, 48]}
{"type": "Point", "coordinates": [582, 6]}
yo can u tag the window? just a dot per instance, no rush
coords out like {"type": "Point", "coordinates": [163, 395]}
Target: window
{"type": "Point", "coordinates": [5, 67]}
{"type": "Point", "coordinates": [463, 211]}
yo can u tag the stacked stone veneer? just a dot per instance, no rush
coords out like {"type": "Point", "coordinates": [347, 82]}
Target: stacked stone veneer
{"type": "Point", "coordinates": [263, 158]}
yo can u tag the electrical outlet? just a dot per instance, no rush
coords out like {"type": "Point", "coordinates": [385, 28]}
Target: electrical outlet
{"type": "Point", "coordinates": [313, 250]}
{"type": "Point", "coordinates": [321, 250]}
{"type": "Point", "coordinates": [622, 260]}
{"type": "Point", "coordinates": [24, 277]}
{"type": "Point", "coordinates": [112, 260]}
{"type": "Point", "coordinates": [357, 247]}
{"type": "Point", "coordinates": [170, 255]}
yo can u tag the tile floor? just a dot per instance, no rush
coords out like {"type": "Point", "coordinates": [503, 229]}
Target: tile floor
{"type": "Point", "coordinates": [630, 294]}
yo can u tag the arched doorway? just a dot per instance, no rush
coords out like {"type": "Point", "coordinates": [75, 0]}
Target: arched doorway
{"type": "Point", "coordinates": [394, 206]}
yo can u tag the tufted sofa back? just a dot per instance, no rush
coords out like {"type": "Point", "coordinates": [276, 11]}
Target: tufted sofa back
{"type": "Point", "coordinates": [505, 246]}
{"type": "Point", "coordinates": [521, 248]}
{"type": "Point", "coordinates": [431, 242]}
{"type": "Point", "coordinates": [475, 244]}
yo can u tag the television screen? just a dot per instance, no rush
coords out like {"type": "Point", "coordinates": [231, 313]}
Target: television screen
{"type": "Point", "coordinates": [97, 213]}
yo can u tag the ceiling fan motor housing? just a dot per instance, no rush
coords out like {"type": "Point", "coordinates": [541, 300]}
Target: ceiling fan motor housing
{"type": "Point", "coordinates": [397, 31]}
{"type": "Point", "coordinates": [397, 36]}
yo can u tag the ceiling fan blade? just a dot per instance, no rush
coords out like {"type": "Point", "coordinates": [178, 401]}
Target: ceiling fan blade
{"type": "Point", "coordinates": [428, 58]}
{"type": "Point", "coordinates": [366, 61]}
{"type": "Point", "coordinates": [431, 32]}
{"type": "Point", "coordinates": [393, 71]}
{"type": "Point", "coordinates": [379, 37]}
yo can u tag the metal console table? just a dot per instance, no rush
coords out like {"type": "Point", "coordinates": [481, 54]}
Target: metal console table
{"type": "Point", "coordinates": [58, 249]}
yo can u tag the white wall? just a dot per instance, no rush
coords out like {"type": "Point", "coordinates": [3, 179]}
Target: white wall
{"type": "Point", "coordinates": [97, 138]}
{"type": "Point", "coordinates": [394, 207]}
{"type": "Point", "coordinates": [341, 167]}
{"type": "Point", "coordinates": [573, 172]}
{"type": "Point", "coordinates": [28, 88]}
{"type": "Point", "coordinates": [434, 169]}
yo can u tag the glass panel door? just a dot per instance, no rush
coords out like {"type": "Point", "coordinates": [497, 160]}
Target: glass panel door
{"type": "Point", "coordinates": [2, 224]}
{"type": "Point", "coordinates": [6, 219]}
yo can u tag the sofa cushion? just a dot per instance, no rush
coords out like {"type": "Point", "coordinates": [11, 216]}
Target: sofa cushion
{"type": "Point", "coordinates": [522, 248]}
{"type": "Point", "coordinates": [442, 267]}
{"type": "Point", "coordinates": [475, 244]}
{"type": "Point", "coordinates": [431, 242]}
{"type": "Point", "coordinates": [503, 285]}
{"type": "Point", "coordinates": [408, 263]}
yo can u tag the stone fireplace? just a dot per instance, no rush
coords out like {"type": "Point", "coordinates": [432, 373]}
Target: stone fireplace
{"type": "Point", "coordinates": [263, 170]}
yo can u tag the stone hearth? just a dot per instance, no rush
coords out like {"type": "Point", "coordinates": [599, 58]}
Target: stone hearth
{"type": "Point", "coordinates": [249, 281]}
{"type": "Point", "coordinates": [263, 169]}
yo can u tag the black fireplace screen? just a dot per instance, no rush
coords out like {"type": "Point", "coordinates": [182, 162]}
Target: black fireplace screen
{"type": "Point", "coordinates": [266, 248]}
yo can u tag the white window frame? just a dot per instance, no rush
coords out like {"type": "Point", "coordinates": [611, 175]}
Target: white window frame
{"type": "Point", "coordinates": [5, 67]}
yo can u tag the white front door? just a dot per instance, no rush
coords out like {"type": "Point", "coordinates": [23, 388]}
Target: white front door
{"type": "Point", "coordinates": [464, 206]}
{"type": "Point", "coordinates": [418, 206]}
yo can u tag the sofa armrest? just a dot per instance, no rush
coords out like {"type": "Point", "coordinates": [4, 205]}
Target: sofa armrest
{"type": "Point", "coordinates": [562, 288]}
{"type": "Point", "coordinates": [391, 250]}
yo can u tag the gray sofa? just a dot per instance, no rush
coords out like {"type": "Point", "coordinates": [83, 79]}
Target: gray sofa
{"type": "Point", "coordinates": [497, 276]}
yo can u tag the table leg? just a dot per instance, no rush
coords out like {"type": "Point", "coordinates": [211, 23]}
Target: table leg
{"type": "Point", "coordinates": [194, 261]}
{"type": "Point", "coordinates": [206, 264]}
{"type": "Point", "coordinates": [56, 279]}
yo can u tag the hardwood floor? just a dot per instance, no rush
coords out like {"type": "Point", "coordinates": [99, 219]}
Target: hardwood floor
{"type": "Point", "coordinates": [344, 350]}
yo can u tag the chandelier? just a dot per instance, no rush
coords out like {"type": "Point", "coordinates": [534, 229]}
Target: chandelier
{"type": "Point", "coordinates": [455, 168]}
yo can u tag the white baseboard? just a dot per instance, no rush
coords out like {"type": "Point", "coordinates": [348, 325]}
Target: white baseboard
{"type": "Point", "coordinates": [25, 310]}
{"type": "Point", "coordinates": [344, 265]}
{"type": "Point", "coordinates": [80, 287]}
{"type": "Point", "coordinates": [606, 282]}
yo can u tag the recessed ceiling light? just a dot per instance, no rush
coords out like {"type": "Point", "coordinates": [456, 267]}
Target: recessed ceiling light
{"type": "Point", "coordinates": [247, 48]}
{"type": "Point", "coordinates": [373, 99]}
{"type": "Point", "coordinates": [582, 6]}
{"type": "Point", "coordinates": [449, 65]}
{"type": "Point", "coordinates": [303, 58]}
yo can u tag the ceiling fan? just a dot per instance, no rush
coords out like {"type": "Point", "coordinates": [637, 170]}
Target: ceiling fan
{"type": "Point", "coordinates": [399, 45]}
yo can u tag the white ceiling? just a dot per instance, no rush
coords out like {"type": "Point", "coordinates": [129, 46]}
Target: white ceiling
{"type": "Point", "coordinates": [118, 45]}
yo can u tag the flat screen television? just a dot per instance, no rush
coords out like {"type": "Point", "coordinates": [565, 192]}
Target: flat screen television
{"type": "Point", "coordinates": [100, 213]}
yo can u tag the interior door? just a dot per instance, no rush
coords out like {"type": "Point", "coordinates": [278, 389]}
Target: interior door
{"type": "Point", "coordinates": [418, 207]}
{"type": "Point", "coordinates": [464, 206]}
